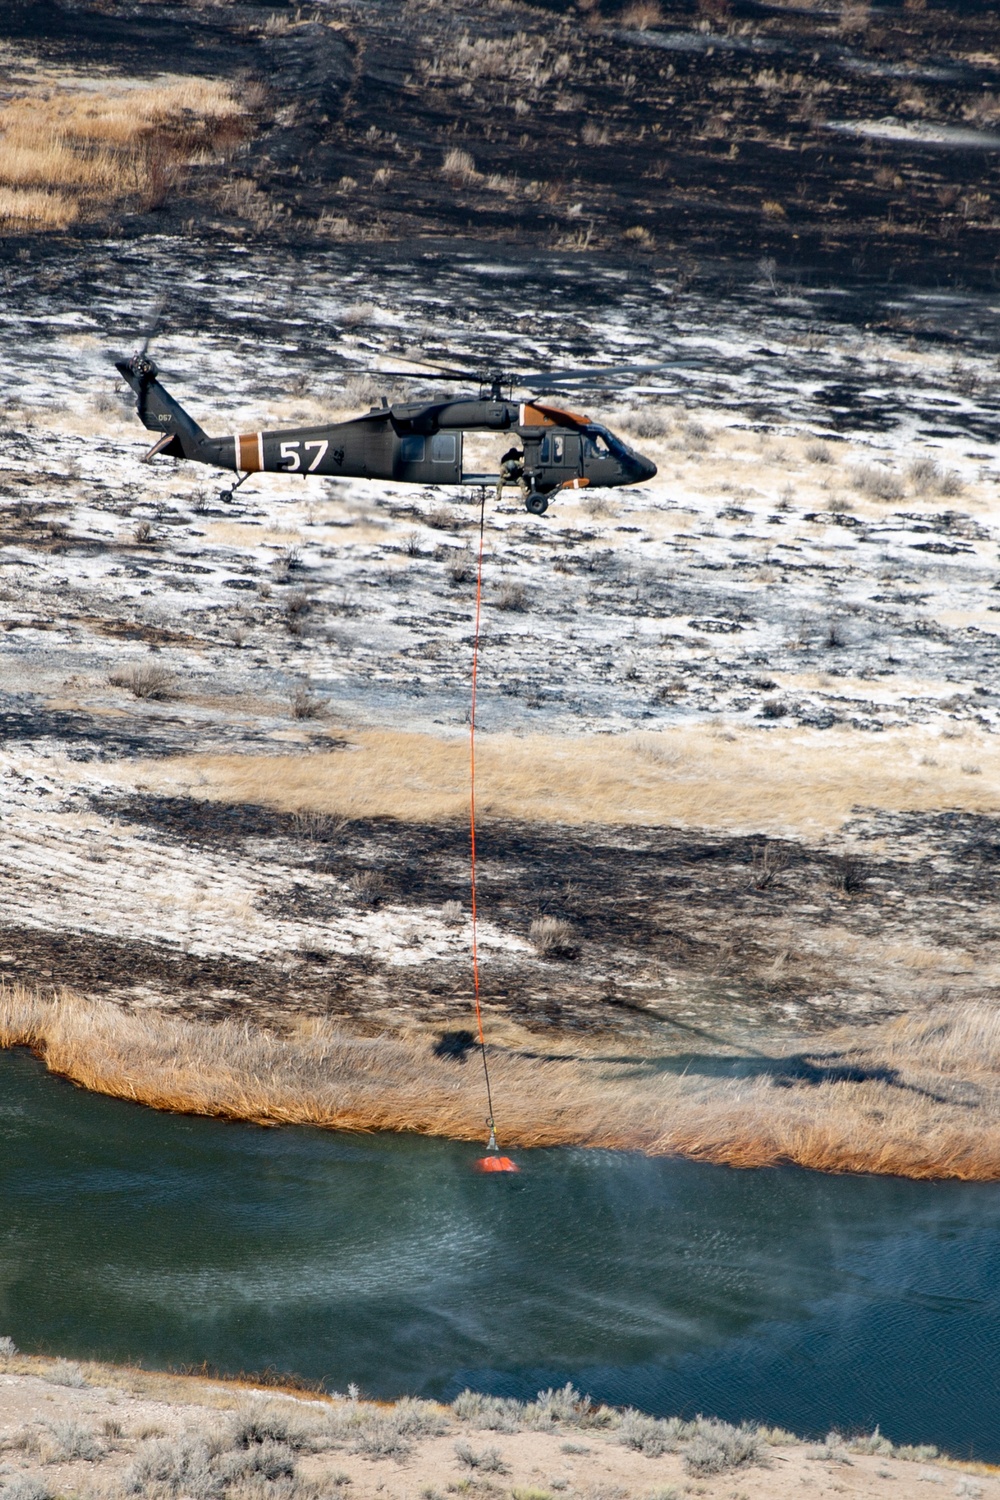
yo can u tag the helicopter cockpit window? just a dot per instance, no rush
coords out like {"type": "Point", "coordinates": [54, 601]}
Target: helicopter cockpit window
{"type": "Point", "coordinates": [444, 448]}
{"type": "Point", "coordinates": [595, 445]}
{"type": "Point", "coordinates": [615, 447]}
{"type": "Point", "coordinates": [411, 449]}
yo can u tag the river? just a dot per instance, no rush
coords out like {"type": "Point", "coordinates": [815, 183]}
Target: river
{"type": "Point", "coordinates": [790, 1297]}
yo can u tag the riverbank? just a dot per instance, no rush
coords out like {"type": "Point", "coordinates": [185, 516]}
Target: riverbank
{"type": "Point", "coordinates": [918, 1098]}
{"type": "Point", "coordinates": [90, 1429]}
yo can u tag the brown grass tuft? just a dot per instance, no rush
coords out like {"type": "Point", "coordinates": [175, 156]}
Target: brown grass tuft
{"type": "Point", "coordinates": [882, 1106]}
{"type": "Point", "coordinates": [306, 705]}
{"type": "Point", "coordinates": [36, 210]}
{"type": "Point", "coordinates": [553, 938]}
{"type": "Point", "coordinates": [145, 680]}
{"type": "Point", "coordinates": [458, 166]}
{"type": "Point", "coordinates": [644, 15]}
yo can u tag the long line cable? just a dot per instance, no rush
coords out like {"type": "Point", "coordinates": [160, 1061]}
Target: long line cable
{"type": "Point", "coordinates": [472, 819]}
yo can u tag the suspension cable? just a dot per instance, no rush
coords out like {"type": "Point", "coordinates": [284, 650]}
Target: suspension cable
{"type": "Point", "coordinates": [472, 820]}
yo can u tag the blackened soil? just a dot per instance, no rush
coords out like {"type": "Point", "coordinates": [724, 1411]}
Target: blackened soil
{"type": "Point", "coordinates": [668, 927]}
{"type": "Point", "coordinates": [714, 139]}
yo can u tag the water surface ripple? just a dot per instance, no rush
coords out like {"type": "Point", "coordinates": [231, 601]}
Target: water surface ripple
{"type": "Point", "coordinates": [782, 1295]}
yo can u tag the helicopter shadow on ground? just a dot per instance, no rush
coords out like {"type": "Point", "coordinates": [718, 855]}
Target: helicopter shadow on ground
{"type": "Point", "coordinates": [809, 1068]}
{"type": "Point", "coordinates": [784, 1072]}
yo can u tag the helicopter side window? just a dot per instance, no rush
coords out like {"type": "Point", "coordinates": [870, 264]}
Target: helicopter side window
{"type": "Point", "coordinates": [411, 449]}
{"type": "Point", "coordinates": [444, 448]}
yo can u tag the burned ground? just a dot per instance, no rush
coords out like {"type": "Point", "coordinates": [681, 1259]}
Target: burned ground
{"type": "Point", "coordinates": [861, 145]}
{"type": "Point", "coordinates": [672, 932]}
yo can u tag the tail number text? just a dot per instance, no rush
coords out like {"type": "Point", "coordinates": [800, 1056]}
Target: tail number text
{"type": "Point", "coordinates": [290, 458]}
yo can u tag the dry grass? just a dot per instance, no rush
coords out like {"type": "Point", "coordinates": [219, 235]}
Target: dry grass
{"type": "Point", "coordinates": [458, 166]}
{"type": "Point", "coordinates": [553, 938]}
{"type": "Point", "coordinates": [855, 16]}
{"type": "Point", "coordinates": [643, 15]}
{"type": "Point", "coordinates": [928, 478]}
{"type": "Point", "coordinates": [593, 134]}
{"type": "Point", "coordinates": [794, 780]}
{"type": "Point", "coordinates": [521, 57]}
{"type": "Point", "coordinates": [306, 705]}
{"type": "Point", "coordinates": [221, 1439]}
{"type": "Point", "coordinates": [878, 483]}
{"type": "Point", "coordinates": [145, 680]}
{"type": "Point", "coordinates": [889, 1115]}
{"type": "Point", "coordinates": [20, 208]}
{"type": "Point", "coordinates": [63, 150]}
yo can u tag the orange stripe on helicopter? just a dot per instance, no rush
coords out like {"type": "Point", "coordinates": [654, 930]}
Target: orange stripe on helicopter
{"type": "Point", "coordinates": [575, 484]}
{"type": "Point", "coordinates": [533, 415]}
{"type": "Point", "coordinates": [250, 452]}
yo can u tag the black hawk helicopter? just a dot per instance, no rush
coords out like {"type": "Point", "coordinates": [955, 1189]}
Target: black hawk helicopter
{"type": "Point", "coordinates": [415, 442]}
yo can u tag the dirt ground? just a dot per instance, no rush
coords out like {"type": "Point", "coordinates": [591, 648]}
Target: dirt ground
{"type": "Point", "coordinates": [118, 1416]}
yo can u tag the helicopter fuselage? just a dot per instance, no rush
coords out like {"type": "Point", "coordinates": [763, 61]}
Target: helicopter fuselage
{"type": "Point", "coordinates": [422, 444]}
{"type": "Point", "coordinates": [408, 442]}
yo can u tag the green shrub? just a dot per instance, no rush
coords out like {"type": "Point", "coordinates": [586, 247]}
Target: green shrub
{"type": "Point", "coordinates": [266, 1460]}
{"type": "Point", "coordinates": [717, 1447]}
{"type": "Point", "coordinates": [489, 1460]}
{"type": "Point", "coordinates": [23, 1487]}
{"type": "Point", "coordinates": [649, 1435]}
{"type": "Point", "coordinates": [551, 1406]}
{"type": "Point", "coordinates": [173, 1466]}
{"type": "Point", "coordinates": [873, 1442]}
{"type": "Point", "coordinates": [62, 1442]}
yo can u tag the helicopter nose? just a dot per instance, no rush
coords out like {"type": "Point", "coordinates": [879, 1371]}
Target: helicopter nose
{"type": "Point", "coordinates": [647, 468]}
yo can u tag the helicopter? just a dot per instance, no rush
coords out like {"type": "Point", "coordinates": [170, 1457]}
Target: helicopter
{"type": "Point", "coordinates": [414, 442]}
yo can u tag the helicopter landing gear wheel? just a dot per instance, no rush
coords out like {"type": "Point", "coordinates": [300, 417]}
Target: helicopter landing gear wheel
{"type": "Point", "coordinates": [537, 504]}
{"type": "Point", "coordinates": [227, 496]}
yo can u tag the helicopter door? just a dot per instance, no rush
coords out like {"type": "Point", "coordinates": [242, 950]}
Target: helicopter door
{"type": "Point", "coordinates": [565, 449]}
{"type": "Point", "coordinates": [560, 452]}
{"type": "Point", "coordinates": [436, 459]}
{"type": "Point", "coordinates": [446, 457]}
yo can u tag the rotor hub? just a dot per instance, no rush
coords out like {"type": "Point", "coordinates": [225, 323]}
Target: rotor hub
{"type": "Point", "coordinates": [141, 365]}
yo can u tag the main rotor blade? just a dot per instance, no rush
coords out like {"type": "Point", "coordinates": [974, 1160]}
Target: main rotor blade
{"type": "Point", "coordinates": [177, 372]}
{"type": "Point", "coordinates": [412, 374]}
{"type": "Point", "coordinates": [486, 375]}
{"type": "Point", "coordinates": [456, 367]}
{"type": "Point", "coordinates": [585, 374]}
{"type": "Point", "coordinates": [537, 380]}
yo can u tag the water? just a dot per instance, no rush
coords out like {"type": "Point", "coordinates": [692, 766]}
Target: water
{"type": "Point", "coordinates": [781, 1295]}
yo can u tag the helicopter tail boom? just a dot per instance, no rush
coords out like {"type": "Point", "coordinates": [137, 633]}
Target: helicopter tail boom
{"type": "Point", "coordinates": [180, 435]}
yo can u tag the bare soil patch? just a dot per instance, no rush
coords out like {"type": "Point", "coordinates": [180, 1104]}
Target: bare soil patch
{"type": "Point", "coordinates": [92, 1428]}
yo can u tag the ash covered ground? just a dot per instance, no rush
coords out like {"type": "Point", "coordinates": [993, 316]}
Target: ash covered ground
{"type": "Point", "coordinates": [817, 556]}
